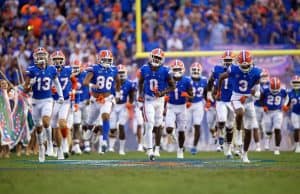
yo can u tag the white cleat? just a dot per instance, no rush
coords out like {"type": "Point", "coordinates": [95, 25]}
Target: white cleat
{"type": "Point", "coordinates": [156, 152]}
{"type": "Point", "coordinates": [180, 153]}
{"type": "Point", "coordinates": [76, 149]}
{"type": "Point", "coordinates": [122, 153]}
{"type": "Point", "coordinates": [42, 153]}
{"type": "Point", "coordinates": [140, 148]}
{"type": "Point", "coordinates": [110, 149]}
{"type": "Point", "coordinates": [245, 158]}
{"type": "Point", "coordinates": [258, 149]}
{"type": "Point", "coordinates": [60, 154]}
{"type": "Point", "coordinates": [49, 151]}
{"type": "Point", "coordinates": [150, 154]}
{"type": "Point", "coordinates": [87, 147]}
{"type": "Point", "coordinates": [276, 152]}
{"type": "Point", "coordinates": [297, 150]}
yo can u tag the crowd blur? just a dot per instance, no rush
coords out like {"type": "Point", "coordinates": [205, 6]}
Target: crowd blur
{"type": "Point", "coordinates": [80, 28]}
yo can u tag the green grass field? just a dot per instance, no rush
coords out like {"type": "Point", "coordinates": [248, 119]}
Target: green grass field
{"type": "Point", "coordinates": [206, 172]}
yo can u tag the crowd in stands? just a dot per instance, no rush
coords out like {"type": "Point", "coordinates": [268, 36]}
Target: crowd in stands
{"type": "Point", "coordinates": [80, 28]}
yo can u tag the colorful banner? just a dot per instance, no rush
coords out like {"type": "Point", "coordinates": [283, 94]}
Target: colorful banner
{"type": "Point", "coordinates": [13, 123]}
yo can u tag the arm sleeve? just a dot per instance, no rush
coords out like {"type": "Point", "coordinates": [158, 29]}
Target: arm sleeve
{"type": "Point", "coordinates": [58, 87]}
{"type": "Point", "coordinates": [74, 83]}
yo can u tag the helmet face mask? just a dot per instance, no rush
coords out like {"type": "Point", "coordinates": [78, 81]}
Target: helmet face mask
{"type": "Point", "coordinates": [58, 62]}
{"type": "Point", "coordinates": [40, 57]}
{"type": "Point", "coordinates": [105, 58]}
{"type": "Point", "coordinates": [177, 72]}
{"type": "Point", "coordinates": [122, 72]}
{"type": "Point", "coordinates": [106, 62]}
{"type": "Point", "coordinates": [177, 68]}
{"type": "Point", "coordinates": [227, 62]}
{"type": "Point", "coordinates": [156, 61]}
{"type": "Point", "coordinates": [295, 84]}
{"type": "Point", "coordinates": [245, 67]}
{"type": "Point", "coordinates": [195, 72]}
{"type": "Point", "coordinates": [156, 57]}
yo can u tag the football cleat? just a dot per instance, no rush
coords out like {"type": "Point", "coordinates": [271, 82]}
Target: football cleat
{"type": "Point", "coordinates": [140, 148]}
{"type": "Point", "coordinates": [60, 153]}
{"type": "Point", "coordinates": [180, 153]}
{"type": "Point", "coordinates": [121, 152]}
{"type": "Point", "coordinates": [276, 152]}
{"type": "Point", "coordinates": [156, 151]}
{"type": "Point", "coordinates": [245, 158]}
{"type": "Point", "coordinates": [193, 150]}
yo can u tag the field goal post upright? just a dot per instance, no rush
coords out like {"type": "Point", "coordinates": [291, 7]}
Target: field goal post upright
{"type": "Point", "coordinates": [141, 54]}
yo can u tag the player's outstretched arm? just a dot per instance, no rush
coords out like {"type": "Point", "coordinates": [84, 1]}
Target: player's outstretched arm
{"type": "Point", "coordinates": [88, 78]}
{"type": "Point", "coordinates": [141, 87]}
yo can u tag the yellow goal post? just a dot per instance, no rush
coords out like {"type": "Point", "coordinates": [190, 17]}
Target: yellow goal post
{"type": "Point", "coordinates": [141, 54]}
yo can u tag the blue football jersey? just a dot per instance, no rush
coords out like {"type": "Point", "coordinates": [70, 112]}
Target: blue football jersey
{"type": "Point", "coordinates": [198, 88]}
{"type": "Point", "coordinates": [226, 89]}
{"type": "Point", "coordinates": [64, 76]}
{"type": "Point", "coordinates": [42, 87]}
{"type": "Point", "coordinates": [263, 86]}
{"type": "Point", "coordinates": [274, 101]}
{"type": "Point", "coordinates": [82, 92]}
{"type": "Point", "coordinates": [294, 97]}
{"type": "Point", "coordinates": [154, 79]}
{"type": "Point", "coordinates": [103, 78]}
{"type": "Point", "coordinates": [243, 82]}
{"type": "Point", "coordinates": [183, 85]}
{"type": "Point", "coordinates": [126, 87]}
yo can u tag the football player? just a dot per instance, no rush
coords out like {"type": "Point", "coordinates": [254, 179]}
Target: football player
{"type": "Point", "coordinates": [120, 112]}
{"type": "Point", "coordinates": [225, 112]}
{"type": "Point", "coordinates": [39, 78]}
{"type": "Point", "coordinates": [103, 80]}
{"type": "Point", "coordinates": [82, 98]}
{"type": "Point", "coordinates": [273, 99]}
{"type": "Point", "coordinates": [176, 107]}
{"type": "Point", "coordinates": [155, 81]}
{"type": "Point", "coordinates": [259, 112]}
{"type": "Point", "coordinates": [196, 110]}
{"type": "Point", "coordinates": [294, 102]}
{"type": "Point", "coordinates": [245, 87]}
{"type": "Point", "coordinates": [61, 110]}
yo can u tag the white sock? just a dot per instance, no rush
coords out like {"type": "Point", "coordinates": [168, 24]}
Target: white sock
{"type": "Point", "coordinates": [122, 145]}
{"type": "Point", "coordinates": [277, 148]}
{"type": "Point", "coordinates": [49, 134]}
{"type": "Point", "coordinates": [157, 148]}
{"type": "Point", "coordinates": [148, 135]}
{"type": "Point", "coordinates": [297, 144]}
{"type": "Point", "coordinates": [65, 145]}
{"type": "Point", "coordinates": [257, 144]}
{"type": "Point", "coordinates": [40, 138]}
{"type": "Point", "coordinates": [112, 141]}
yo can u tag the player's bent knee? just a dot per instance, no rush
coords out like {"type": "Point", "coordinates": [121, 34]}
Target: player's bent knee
{"type": "Point", "coordinates": [62, 123]}
{"type": "Point", "coordinates": [46, 121]}
{"type": "Point", "coordinates": [105, 116]}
